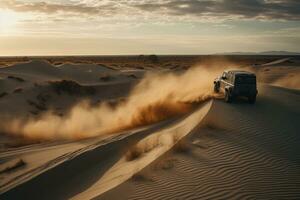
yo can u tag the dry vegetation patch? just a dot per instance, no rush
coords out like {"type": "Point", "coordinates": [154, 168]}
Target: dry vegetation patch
{"type": "Point", "coordinates": [3, 94]}
{"type": "Point", "coordinates": [16, 78]}
{"type": "Point", "coordinates": [18, 90]}
{"type": "Point", "coordinates": [71, 87]}
{"type": "Point", "coordinates": [105, 77]}
{"type": "Point", "coordinates": [38, 105]}
{"type": "Point", "coordinates": [132, 76]}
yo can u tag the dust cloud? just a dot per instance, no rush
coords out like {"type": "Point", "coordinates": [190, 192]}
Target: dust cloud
{"type": "Point", "coordinates": [156, 97]}
{"type": "Point", "coordinates": [289, 81]}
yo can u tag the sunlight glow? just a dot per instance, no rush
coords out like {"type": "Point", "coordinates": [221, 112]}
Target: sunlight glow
{"type": "Point", "coordinates": [8, 20]}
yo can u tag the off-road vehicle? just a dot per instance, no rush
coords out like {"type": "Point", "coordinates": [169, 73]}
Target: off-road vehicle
{"type": "Point", "coordinates": [236, 83]}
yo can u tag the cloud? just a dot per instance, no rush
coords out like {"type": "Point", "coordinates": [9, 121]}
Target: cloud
{"type": "Point", "coordinates": [245, 9]}
{"type": "Point", "coordinates": [52, 8]}
{"type": "Point", "coordinates": [189, 9]}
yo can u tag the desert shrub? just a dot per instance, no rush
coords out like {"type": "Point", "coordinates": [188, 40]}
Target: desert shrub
{"type": "Point", "coordinates": [58, 63]}
{"type": "Point", "coordinates": [132, 76]}
{"type": "Point", "coordinates": [68, 86]}
{"type": "Point", "coordinates": [34, 112]}
{"type": "Point", "coordinates": [16, 78]}
{"type": "Point", "coordinates": [168, 65]}
{"type": "Point", "coordinates": [153, 59]}
{"type": "Point", "coordinates": [71, 87]}
{"type": "Point", "coordinates": [141, 58]}
{"type": "Point", "coordinates": [3, 94]}
{"type": "Point", "coordinates": [43, 97]}
{"type": "Point", "coordinates": [105, 77]}
{"type": "Point", "coordinates": [38, 105]}
{"type": "Point", "coordinates": [18, 90]}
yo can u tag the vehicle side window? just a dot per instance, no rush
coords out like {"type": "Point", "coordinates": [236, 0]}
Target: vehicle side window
{"type": "Point", "coordinates": [228, 75]}
{"type": "Point", "coordinates": [231, 78]}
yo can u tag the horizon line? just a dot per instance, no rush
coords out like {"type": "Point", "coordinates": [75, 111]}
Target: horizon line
{"type": "Point", "coordinates": [212, 54]}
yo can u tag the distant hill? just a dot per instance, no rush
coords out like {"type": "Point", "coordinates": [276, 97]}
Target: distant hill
{"type": "Point", "coordinates": [262, 53]}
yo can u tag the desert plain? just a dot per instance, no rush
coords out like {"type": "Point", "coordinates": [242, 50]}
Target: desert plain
{"type": "Point", "coordinates": [147, 127]}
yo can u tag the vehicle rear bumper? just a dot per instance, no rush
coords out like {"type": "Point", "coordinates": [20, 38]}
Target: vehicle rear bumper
{"type": "Point", "coordinates": [245, 93]}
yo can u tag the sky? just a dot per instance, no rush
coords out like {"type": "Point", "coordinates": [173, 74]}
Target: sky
{"type": "Point", "coordinates": [125, 27]}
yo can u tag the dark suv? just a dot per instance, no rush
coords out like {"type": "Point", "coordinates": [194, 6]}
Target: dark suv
{"type": "Point", "coordinates": [237, 83]}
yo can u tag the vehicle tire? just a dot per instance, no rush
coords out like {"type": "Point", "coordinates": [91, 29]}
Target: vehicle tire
{"type": "Point", "coordinates": [228, 97]}
{"type": "Point", "coordinates": [216, 88]}
{"type": "Point", "coordinates": [252, 99]}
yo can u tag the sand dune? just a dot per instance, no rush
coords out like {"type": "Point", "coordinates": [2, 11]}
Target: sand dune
{"type": "Point", "coordinates": [238, 152]}
{"type": "Point", "coordinates": [212, 150]}
{"type": "Point", "coordinates": [156, 97]}
{"type": "Point", "coordinates": [79, 168]}
{"type": "Point", "coordinates": [163, 141]}
{"type": "Point", "coordinates": [40, 70]}
{"type": "Point", "coordinates": [280, 73]}
{"type": "Point", "coordinates": [276, 62]}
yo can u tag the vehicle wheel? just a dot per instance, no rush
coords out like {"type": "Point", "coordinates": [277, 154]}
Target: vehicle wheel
{"type": "Point", "coordinates": [252, 99]}
{"type": "Point", "coordinates": [216, 88]}
{"type": "Point", "coordinates": [228, 97]}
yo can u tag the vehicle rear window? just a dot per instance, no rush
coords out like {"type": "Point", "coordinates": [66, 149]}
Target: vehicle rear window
{"type": "Point", "coordinates": [245, 79]}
